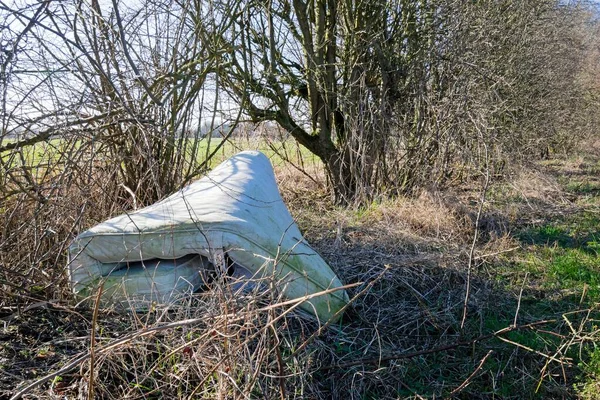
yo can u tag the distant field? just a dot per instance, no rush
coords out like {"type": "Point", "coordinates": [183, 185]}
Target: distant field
{"type": "Point", "coordinates": [277, 151]}
{"type": "Point", "coordinates": [60, 150]}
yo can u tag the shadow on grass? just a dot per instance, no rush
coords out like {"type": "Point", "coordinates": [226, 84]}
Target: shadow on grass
{"type": "Point", "coordinates": [402, 338]}
{"type": "Point", "coordinates": [417, 309]}
{"type": "Point", "coordinates": [581, 232]}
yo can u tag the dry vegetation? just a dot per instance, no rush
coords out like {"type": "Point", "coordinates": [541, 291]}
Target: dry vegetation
{"type": "Point", "coordinates": [402, 337]}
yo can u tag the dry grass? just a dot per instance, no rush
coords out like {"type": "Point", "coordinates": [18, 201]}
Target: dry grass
{"type": "Point", "coordinates": [400, 338]}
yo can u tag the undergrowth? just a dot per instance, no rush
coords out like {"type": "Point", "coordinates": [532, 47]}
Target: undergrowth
{"type": "Point", "coordinates": [528, 328]}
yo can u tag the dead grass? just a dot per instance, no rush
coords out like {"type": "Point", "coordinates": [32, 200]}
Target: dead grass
{"type": "Point", "coordinates": [400, 338]}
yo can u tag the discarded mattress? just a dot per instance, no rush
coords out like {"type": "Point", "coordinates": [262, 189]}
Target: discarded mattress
{"type": "Point", "coordinates": [234, 216]}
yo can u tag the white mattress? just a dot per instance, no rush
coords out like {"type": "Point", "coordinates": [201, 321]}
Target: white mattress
{"type": "Point", "coordinates": [237, 211]}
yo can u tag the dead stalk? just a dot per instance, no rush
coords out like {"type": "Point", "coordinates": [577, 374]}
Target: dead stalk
{"type": "Point", "coordinates": [93, 343]}
{"type": "Point", "coordinates": [470, 378]}
{"type": "Point", "coordinates": [147, 331]}
{"type": "Point", "coordinates": [475, 238]}
{"type": "Point", "coordinates": [519, 299]}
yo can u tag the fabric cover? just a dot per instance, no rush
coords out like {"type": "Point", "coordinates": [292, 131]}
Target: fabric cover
{"type": "Point", "coordinates": [234, 212]}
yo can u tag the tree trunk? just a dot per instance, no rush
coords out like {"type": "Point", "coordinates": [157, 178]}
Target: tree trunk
{"type": "Point", "coordinates": [341, 177]}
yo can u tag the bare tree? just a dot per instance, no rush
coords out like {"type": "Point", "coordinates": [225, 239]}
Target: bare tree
{"type": "Point", "coordinates": [101, 110]}
{"type": "Point", "coordinates": [391, 95]}
{"type": "Point", "coordinates": [311, 66]}
{"type": "Point", "coordinates": [136, 82]}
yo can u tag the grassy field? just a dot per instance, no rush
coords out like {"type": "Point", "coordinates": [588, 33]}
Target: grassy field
{"type": "Point", "coordinates": [51, 151]}
{"type": "Point", "coordinates": [510, 315]}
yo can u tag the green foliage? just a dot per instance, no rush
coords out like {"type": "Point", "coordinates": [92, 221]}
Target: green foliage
{"type": "Point", "coordinates": [590, 388]}
{"type": "Point", "coordinates": [563, 258]}
{"type": "Point", "coordinates": [575, 266]}
{"type": "Point", "coordinates": [583, 187]}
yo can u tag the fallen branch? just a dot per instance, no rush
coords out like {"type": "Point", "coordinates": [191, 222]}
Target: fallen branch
{"type": "Point", "coordinates": [496, 253]}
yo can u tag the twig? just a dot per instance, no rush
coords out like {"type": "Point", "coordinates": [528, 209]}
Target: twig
{"type": "Point", "coordinates": [359, 294]}
{"type": "Point", "coordinates": [519, 300]}
{"type": "Point", "coordinates": [496, 253]}
{"type": "Point", "coordinates": [207, 376]}
{"type": "Point", "coordinates": [468, 380]}
{"type": "Point", "coordinates": [276, 344]}
{"type": "Point", "coordinates": [132, 64]}
{"type": "Point", "coordinates": [539, 353]}
{"type": "Point", "coordinates": [93, 343]}
{"type": "Point", "coordinates": [44, 135]}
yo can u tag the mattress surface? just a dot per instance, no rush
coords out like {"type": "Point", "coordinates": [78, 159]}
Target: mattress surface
{"type": "Point", "coordinates": [235, 211]}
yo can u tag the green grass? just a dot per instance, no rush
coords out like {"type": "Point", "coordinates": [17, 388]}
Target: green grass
{"type": "Point", "coordinates": [583, 188]}
{"type": "Point", "coordinates": [564, 257]}
{"type": "Point", "coordinates": [548, 235]}
{"type": "Point", "coordinates": [555, 273]}
{"type": "Point", "coordinates": [590, 377]}
{"type": "Point", "coordinates": [578, 231]}
{"type": "Point", "coordinates": [59, 150]}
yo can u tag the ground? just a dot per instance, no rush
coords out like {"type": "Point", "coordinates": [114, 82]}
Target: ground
{"type": "Point", "coordinates": [512, 314]}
